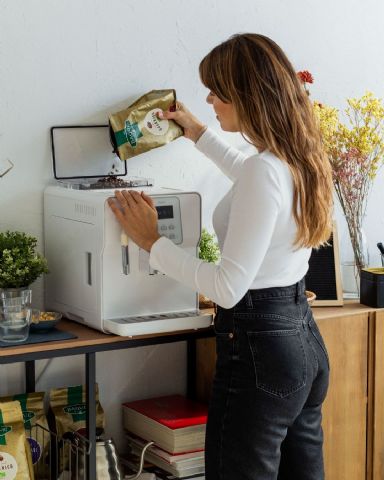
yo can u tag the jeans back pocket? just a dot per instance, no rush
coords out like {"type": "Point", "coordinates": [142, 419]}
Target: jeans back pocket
{"type": "Point", "coordinates": [280, 361]}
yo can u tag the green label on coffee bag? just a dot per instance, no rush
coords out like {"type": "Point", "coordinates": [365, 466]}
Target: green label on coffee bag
{"type": "Point", "coordinates": [3, 432]}
{"type": "Point", "coordinates": [78, 412]}
{"type": "Point", "coordinates": [130, 134]}
{"type": "Point", "coordinates": [27, 416]}
{"type": "Point", "coordinates": [4, 429]}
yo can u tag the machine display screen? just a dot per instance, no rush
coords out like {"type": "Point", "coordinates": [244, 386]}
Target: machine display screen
{"type": "Point", "coordinates": [165, 211]}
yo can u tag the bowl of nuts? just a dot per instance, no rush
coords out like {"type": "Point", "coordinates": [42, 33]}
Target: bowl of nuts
{"type": "Point", "coordinates": [43, 321]}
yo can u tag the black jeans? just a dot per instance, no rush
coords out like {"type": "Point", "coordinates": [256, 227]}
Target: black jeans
{"type": "Point", "coordinates": [271, 378]}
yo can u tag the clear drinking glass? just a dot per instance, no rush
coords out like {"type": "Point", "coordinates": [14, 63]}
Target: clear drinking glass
{"type": "Point", "coordinates": [16, 295]}
{"type": "Point", "coordinates": [15, 318]}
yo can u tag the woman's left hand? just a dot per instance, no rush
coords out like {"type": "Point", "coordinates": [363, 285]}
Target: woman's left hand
{"type": "Point", "coordinates": [137, 215]}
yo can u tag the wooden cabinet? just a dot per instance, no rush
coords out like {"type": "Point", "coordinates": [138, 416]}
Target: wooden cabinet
{"type": "Point", "coordinates": [353, 413]}
{"type": "Point", "coordinates": [345, 408]}
{"type": "Point", "coordinates": [375, 439]}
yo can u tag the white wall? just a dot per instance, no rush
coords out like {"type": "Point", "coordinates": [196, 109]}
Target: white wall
{"type": "Point", "coordinates": [76, 61]}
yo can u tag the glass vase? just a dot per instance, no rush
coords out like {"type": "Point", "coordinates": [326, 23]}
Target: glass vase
{"type": "Point", "coordinates": [351, 269]}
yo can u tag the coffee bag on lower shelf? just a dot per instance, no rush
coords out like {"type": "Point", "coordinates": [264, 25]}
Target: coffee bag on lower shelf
{"type": "Point", "coordinates": [15, 453]}
{"type": "Point", "coordinates": [32, 407]}
{"type": "Point", "coordinates": [69, 411]}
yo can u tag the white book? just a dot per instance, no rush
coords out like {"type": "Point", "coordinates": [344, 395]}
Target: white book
{"type": "Point", "coordinates": [178, 458]}
{"type": "Point", "coordinates": [175, 469]}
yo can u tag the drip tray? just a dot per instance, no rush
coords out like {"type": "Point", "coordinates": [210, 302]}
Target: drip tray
{"type": "Point", "coordinates": [158, 323]}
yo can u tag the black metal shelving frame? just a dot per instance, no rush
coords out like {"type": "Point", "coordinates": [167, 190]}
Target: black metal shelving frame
{"type": "Point", "coordinates": [190, 336]}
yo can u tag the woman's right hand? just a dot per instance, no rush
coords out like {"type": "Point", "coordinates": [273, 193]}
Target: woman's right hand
{"type": "Point", "coordinates": [193, 128]}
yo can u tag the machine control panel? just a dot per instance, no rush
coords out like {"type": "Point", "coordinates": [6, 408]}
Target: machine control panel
{"type": "Point", "coordinates": [169, 218]}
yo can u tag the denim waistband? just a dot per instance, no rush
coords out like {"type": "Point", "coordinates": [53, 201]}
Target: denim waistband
{"type": "Point", "coordinates": [294, 291]}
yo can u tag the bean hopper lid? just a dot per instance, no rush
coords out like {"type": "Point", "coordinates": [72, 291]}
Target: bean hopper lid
{"type": "Point", "coordinates": [83, 159]}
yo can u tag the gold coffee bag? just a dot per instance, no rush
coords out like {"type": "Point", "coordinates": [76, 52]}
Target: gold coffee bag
{"type": "Point", "coordinates": [32, 407]}
{"type": "Point", "coordinates": [138, 129]}
{"type": "Point", "coordinates": [69, 409]}
{"type": "Point", "coordinates": [15, 453]}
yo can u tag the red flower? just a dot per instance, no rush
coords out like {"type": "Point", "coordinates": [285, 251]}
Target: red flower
{"type": "Point", "coordinates": [305, 76]}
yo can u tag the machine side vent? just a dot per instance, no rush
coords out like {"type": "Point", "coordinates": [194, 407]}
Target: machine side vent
{"type": "Point", "coordinates": [86, 210]}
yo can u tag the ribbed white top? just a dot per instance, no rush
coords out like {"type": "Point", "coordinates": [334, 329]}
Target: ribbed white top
{"type": "Point", "coordinates": [254, 225]}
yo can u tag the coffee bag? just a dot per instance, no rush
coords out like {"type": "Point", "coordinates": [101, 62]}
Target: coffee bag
{"type": "Point", "coordinates": [138, 129]}
{"type": "Point", "coordinates": [15, 453]}
{"type": "Point", "coordinates": [70, 410]}
{"type": "Point", "coordinates": [32, 407]}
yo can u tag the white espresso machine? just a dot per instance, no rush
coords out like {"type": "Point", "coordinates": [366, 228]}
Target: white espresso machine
{"type": "Point", "coordinates": [98, 276]}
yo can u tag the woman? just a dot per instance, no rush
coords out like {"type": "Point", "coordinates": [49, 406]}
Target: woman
{"type": "Point", "coordinates": [272, 368]}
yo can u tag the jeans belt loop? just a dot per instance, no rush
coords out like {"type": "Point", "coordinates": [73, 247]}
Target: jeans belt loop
{"type": "Point", "coordinates": [297, 292]}
{"type": "Point", "coordinates": [248, 299]}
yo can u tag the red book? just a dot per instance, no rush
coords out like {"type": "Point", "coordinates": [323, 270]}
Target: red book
{"type": "Point", "coordinates": [173, 411]}
{"type": "Point", "coordinates": [174, 422]}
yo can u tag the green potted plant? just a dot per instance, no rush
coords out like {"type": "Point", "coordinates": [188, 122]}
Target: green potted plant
{"type": "Point", "coordinates": [209, 251]}
{"type": "Point", "coordinates": [20, 263]}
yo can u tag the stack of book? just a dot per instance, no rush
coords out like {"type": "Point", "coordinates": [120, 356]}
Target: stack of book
{"type": "Point", "coordinates": [176, 425]}
{"type": "Point", "coordinates": [163, 475]}
{"type": "Point", "coordinates": [131, 463]}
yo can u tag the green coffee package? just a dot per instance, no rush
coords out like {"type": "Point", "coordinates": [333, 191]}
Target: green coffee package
{"type": "Point", "coordinates": [138, 129]}
{"type": "Point", "coordinates": [32, 407]}
{"type": "Point", "coordinates": [15, 453]}
{"type": "Point", "coordinates": [70, 410]}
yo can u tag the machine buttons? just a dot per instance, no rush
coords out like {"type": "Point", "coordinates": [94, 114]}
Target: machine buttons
{"type": "Point", "coordinates": [163, 227]}
{"type": "Point", "coordinates": [171, 227]}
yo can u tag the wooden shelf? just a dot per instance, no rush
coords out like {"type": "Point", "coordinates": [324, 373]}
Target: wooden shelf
{"type": "Point", "coordinates": [350, 307]}
{"type": "Point", "coordinates": [89, 339]}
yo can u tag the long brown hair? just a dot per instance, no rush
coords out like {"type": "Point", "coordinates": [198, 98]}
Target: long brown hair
{"type": "Point", "coordinates": [253, 73]}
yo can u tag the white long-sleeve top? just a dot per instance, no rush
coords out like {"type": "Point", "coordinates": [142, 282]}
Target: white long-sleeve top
{"type": "Point", "coordinates": [255, 227]}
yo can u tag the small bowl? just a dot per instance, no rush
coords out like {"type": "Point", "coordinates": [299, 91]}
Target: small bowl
{"type": "Point", "coordinates": [42, 324]}
{"type": "Point", "coordinates": [311, 296]}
